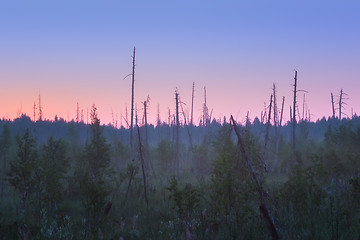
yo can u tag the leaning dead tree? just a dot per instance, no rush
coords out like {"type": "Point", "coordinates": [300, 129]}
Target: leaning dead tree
{"type": "Point", "coordinates": [263, 206]}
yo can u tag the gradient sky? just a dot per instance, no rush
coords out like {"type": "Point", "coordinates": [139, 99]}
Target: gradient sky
{"type": "Point", "coordinates": [79, 51]}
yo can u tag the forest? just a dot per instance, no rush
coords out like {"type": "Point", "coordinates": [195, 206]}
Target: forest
{"type": "Point", "coordinates": [217, 180]}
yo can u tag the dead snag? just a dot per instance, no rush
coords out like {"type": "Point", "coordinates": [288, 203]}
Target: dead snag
{"type": "Point", "coordinates": [142, 165]}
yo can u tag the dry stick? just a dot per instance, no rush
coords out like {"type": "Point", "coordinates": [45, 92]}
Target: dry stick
{"type": "Point", "coordinates": [142, 165]}
{"type": "Point", "coordinates": [263, 207]}
{"type": "Point", "coordinates": [267, 135]}
{"type": "Point", "coordinates": [332, 104]}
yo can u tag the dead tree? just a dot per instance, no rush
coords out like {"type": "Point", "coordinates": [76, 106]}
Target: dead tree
{"type": "Point", "coordinates": [303, 109]}
{"type": "Point", "coordinates": [282, 109]}
{"type": "Point", "coordinates": [263, 206]}
{"type": "Point", "coordinates": [147, 155]}
{"type": "Point", "coordinates": [158, 121]}
{"type": "Point", "coordinates": [275, 117]}
{"type": "Point", "coordinates": [142, 166]}
{"type": "Point", "coordinates": [294, 120]}
{"type": "Point", "coordinates": [40, 109]}
{"type": "Point", "coordinates": [264, 116]}
{"type": "Point", "coordinates": [177, 135]}
{"type": "Point", "coordinates": [145, 118]}
{"type": "Point", "coordinates": [342, 97]}
{"type": "Point", "coordinates": [276, 130]}
{"type": "Point", "coordinates": [187, 128]}
{"type": "Point", "coordinates": [205, 110]}
{"type": "Point", "coordinates": [267, 135]}
{"type": "Point", "coordinates": [136, 115]}
{"type": "Point", "coordinates": [169, 124]}
{"type": "Point", "coordinates": [34, 112]}
{"type": "Point", "coordinates": [192, 105]}
{"type": "Point", "coordinates": [340, 103]}
{"type": "Point", "coordinates": [332, 104]}
{"type": "Point", "coordinates": [78, 112]}
{"type": "Point", "coordinates": [132, 106]}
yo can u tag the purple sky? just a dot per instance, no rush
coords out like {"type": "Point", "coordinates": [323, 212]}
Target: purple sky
{"type": "Point", "coordinates": [80, 51]}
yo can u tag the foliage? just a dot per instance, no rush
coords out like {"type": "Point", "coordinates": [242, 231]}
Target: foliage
{"type": "Point", "coordinates": [55, 228]}
{"type": "Point", "coordinates": [166, 155]}
{"type": "Point", "coordinates": [54, 167]}
{"type": "Point", "coordinates": [93, 173]}
{"type": "Point", "coordinates": [85, 188]}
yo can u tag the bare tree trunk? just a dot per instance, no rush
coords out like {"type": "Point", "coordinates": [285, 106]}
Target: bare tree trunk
{"type": "Point", "coordinates": [177, 135]}
{"type": "Point", "coordinates": [303, 110]}
{"type": "Point", "coordinates": [332, 104]}
{"type": "Point", "coordinates": [275, 110]}
{"type": "Point", "coordinates": [267, 135]}
{"type": "Point", "coordinates": [145, 118]}
{"type": "Point", "coordinates": [192, 105]}
{"type": "Point", "coordinates": [169, 124]}
{"type": "Point", "coordinates": [263, 207]}
{"type": "Point", "coordinates": [40, 109]}
{"type": "Point", "coordinates": [187, 129]}
{"type": "Point", "coordinates": [282, 109]}
{"type": "Point", "coordinates": [278, 137]}
{"type": "Point", "coordinates": [294, 120]}
{"type": "Point", "coordinates": [147, 155]}
{"type": "Point", "coordinates": [142, 166]}
{"type": "Point", "coordinates": [276, 130]}
{"type": "Point", "coordinates": [132, 108]}
{"type": "Point", "coordinates": [340, 103]}
{"type": "Point", "coordinates": [205, 111]}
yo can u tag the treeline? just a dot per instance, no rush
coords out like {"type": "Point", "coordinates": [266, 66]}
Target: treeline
{"type": "Point", "coordinates": [63, 180]}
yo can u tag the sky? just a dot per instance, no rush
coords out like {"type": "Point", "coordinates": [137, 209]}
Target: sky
{"type": "Point", "coordinates": [76, 51]}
